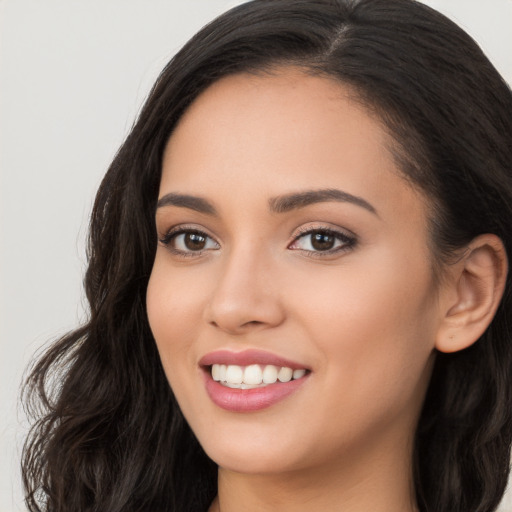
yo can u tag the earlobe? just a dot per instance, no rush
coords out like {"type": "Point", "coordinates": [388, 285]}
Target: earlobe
{"type": "Point", "coordinates": [474, 293]}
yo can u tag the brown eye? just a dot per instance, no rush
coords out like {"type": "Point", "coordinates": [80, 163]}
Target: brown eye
{"type": "Point", "coordinates": [322, 241]}
{"type": "Point", "coordinates": [194, 241]}
{"type": "Point", "coordinates": [189, 241]}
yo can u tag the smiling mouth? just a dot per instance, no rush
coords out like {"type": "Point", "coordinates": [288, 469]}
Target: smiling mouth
{"type": "Point", "coordinates": [254, 375]}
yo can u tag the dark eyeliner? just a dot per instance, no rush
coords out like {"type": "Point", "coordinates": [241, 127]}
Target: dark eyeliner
{"type": "Point", "coordinates": [348, 241]}
{"type": "Point", "coordinates": [172, 233]}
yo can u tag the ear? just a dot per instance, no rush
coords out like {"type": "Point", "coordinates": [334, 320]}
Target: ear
{"type": "Point", "coordinates": [472, 294]}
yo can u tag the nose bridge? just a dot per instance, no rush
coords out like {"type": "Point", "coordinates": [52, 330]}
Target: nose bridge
{"type": "Point", "coordinates": [245, 295]}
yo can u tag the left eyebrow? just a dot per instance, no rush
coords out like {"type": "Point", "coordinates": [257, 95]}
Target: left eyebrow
{"type": "Point", "coordinates": [285, 203]}
{"type": "Point", "coordinates": [198, 204]}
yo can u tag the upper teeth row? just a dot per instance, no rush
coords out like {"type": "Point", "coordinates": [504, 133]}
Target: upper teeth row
{"type": "Point", "coordinates": [254, 374]}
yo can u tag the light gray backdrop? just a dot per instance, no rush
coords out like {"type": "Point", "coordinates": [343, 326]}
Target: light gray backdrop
{"type": "Point", "coordinates": [73, 74]}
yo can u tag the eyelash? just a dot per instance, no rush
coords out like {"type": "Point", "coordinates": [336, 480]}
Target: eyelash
{"type": "Point", "coordinates": [174, 233]}
{"type": "Point", "coordinates": [348, 242]}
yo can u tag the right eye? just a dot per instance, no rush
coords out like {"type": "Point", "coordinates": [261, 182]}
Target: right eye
{"type": "Point", "coordinates": [188, 242]}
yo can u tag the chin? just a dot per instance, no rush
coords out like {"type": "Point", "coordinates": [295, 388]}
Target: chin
{"type": "Point", "coordinates": [251, 454]}
{"type": "Point", "coordinates": [250, 463]}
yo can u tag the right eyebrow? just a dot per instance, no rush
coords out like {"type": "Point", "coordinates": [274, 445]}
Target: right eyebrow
{"type": "Point", "coordinates": [185, 201]}
{"type": "Point", "coordinates": [296, 200]}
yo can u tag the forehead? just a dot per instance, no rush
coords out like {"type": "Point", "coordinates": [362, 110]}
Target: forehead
{"type": "Point", "coordinates": [285, 103]}
{"type": "Point", "coordinates": [279, 132]}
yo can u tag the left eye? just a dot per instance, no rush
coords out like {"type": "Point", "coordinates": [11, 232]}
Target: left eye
{"type": "Point", "coordinates": [189, 241]}
{"type": "Point", "coordinates": [321, 241]}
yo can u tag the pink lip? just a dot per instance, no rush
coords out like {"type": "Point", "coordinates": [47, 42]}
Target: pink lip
{"type": "Point", "coordinates": [248, 400]}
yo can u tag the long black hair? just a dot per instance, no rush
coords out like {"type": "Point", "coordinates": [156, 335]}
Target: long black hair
{"type": "Point", "coordinates": [109, 434]}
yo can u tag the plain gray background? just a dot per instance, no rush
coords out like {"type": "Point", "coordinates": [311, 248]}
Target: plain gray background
{"type": "Point", "coordinates": [73, 75]}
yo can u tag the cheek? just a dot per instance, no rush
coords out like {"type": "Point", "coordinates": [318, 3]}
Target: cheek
{"type": "Point", "coordinates": [374, 325]}
{"type": "Point", "coordinates": [173, 308]}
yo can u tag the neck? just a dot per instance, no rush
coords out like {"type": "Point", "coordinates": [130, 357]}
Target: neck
{"type": "Point", "coordinates": [378, 485]}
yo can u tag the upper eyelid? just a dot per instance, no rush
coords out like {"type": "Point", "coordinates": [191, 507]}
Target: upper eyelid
{"type": "Point", "coordinates": [180, 228]}
{"type": "Point", "coordinates": [297, 232]}
{"type": "Point", "coordinates": [303, 230]}
{"type": "Point", "coordinates": [346, 237]}
{"type": "Point", "coordinates": [294, 235]}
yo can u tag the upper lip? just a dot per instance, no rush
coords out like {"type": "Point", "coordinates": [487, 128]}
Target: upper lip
{"type": "Point", "coordinates": [247, 357]}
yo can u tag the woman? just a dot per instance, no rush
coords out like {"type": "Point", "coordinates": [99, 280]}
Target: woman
{"type": "Point", "coordinates": [297, 278]}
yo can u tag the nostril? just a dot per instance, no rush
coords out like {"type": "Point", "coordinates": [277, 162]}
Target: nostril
{"type": "Point", "coordinates": [252, 322]}
{"type": "Point", "coordinates": [241, 327]}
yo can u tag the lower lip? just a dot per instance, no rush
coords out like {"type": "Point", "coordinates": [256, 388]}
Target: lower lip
{"type": "Point", "coordinates": [248, 400]}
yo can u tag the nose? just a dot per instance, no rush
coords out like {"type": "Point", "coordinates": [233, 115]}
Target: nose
{"type": "Point", "coordinates": [246, 296]}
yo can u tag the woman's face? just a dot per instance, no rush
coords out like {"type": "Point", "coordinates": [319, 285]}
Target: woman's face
{"type": "Point", "coordinates": [289, 240]}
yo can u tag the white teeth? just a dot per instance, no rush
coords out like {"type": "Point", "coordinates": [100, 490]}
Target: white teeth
{"type": "Point", "coordinates": [254, 375]}
{"type": "Point", "coordinates": [270, 374]}
{"type": "Point", "coordinates": [285, 374]}
{"type": "Point", "coordinates": [234, 374]}
{"type": "Point", "coordinates": [298, 374]}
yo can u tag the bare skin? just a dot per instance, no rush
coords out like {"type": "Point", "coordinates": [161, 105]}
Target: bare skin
{"type": "Point", "coordinates": [363, 315]}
